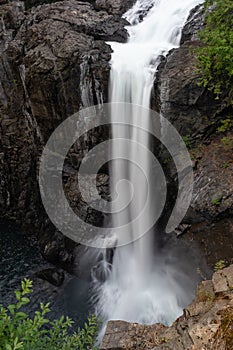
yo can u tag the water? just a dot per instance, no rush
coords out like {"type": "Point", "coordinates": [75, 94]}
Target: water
{"type": "Point", "coordinates": [20, 258]}
{"type": "Point", "coordinates": [146, 284]}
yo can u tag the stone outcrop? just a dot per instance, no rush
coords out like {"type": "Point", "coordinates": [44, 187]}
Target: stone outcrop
{"type": "Point", "coordinates": [206, 324]}
{"type": "Point", "coordinates": [190, 108]}
{"type": "Point", "coordinates": [197, 115]}
{"type": "Point", "coordinates": [54, 61]}
{"type": "Point", "coordinates": [114, 7]}
{"type": "Point", "coordinates": [117, 7]}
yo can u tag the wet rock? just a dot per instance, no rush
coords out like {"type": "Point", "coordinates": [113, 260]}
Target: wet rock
{"type": "Point", "coordinates": [53, 62]}
{"type": "Point", "coordinates": [214, 240]}
{"type": "Point", "coordinates": [194, 23]}
{"type": "Point", "coordinates": [206, 324]}
{"type": "Point", "coordinates": [181, 229]}
{"type": "Point", "coordinates": [213, 179]}
{"type": "Point", "coordinates": [192, 109]}
{"type": "Point", "coordinates": [83, 206]}
{"type": "Point", "coordinates": [52, 275]}
{"type": "Point", "coordinates": [196, 114]}
{"type": "Point", "coordinates": [116, 7]}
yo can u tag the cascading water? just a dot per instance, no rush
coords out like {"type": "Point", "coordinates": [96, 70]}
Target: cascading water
{"type": "Point", "coordinates": [143, 285]}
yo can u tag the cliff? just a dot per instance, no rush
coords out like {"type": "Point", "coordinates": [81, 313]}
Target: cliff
{"type": "Point", "coordinates": [54, 60]}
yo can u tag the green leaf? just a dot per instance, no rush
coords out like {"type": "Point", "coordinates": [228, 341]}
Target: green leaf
{"type": "Point", "coordinates": [8, 347]}
{"type": "Point", "coordinates": [12, 308]}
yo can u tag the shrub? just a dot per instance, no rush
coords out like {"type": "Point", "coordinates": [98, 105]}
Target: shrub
{"type": "Point", "coordinates": [19, 331]}
{"type": "Point", "coordinates": [214, 57]}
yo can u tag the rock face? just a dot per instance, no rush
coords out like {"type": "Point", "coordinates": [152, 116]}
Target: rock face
{"type": "Point", "coordinates": [53, 62]}
{"type": "Point", "coordinates": [206, 324]}
{"type": "Point", "coordinates": [197, 115]}
{"type": "Point", "coordinates": [114, 7]}
{"type": "Point", "coordinates": [190, 108]}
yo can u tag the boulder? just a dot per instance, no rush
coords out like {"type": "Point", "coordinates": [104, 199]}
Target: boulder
{"type": "Point", "coordinates": [114, 7]}
{"type": "Point", "coordinates": [52, 275]}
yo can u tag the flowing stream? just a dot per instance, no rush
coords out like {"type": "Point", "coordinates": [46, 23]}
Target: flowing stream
{"type": "Point", "coordinates": [144, 285]}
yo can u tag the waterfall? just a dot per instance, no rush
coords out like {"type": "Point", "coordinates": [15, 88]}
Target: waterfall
{"type": "Point", "coordinates": [144, 285]}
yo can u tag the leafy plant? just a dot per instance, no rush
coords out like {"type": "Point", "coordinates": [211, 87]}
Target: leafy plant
{"type": "Point", "coordinates": [214, 57]}
{"type": "Point", "coordinates": [216, 201]}
{"type": "Point", "coordinates": [221, 264]}
{"type": "Point", "coordinates": [19, 331]}
{"type": "Point", "coordinates": [227, 124]}
{"type": "Point", "coordinates": [187, 141]}
{"type": "Point", "coordinates": [226, 165]}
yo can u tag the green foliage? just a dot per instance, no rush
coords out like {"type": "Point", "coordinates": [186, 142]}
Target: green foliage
{"type": "Point", "coordinates": [226, 124]}
{"type": "Point", "coordinates": [167, 160]}
{"type": "Point", "coordinates": [226, 165]}
{"type": "Point", "coordinates": [216, 201]}
{"type": "Point", "coordinates": [187, 141]}
{"type": "Point", "coordinates": [221, 264]}
{"type": "Point", "coordinates": [19, 331]}
{"type": "Point", "coordinates": [214, 57]}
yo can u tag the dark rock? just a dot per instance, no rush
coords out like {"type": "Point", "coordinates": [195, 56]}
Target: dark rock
{"type": "Point", "coordinates": [193, 110]}
{"type": "Point", "coordinates": [52, 275]}
{"type": "Point", "coordinates": [56, 248]}
{"type": "Point", "coordinates": [214, 241]}
{"type": "Point", "coordinates": [194, 23]}
{"type": "Point", "coordinates": [196, 113]}
{"type": "Point", "coordinates": [213, 179]}
{"type": "Point", "coordinates": [53, 61]}
{"type": "Point", "coordinates": [118, 7]}
{"type": "Point", "coordinates": [190, 108]}
{"type": "Point", "coordinates": [181, 229]}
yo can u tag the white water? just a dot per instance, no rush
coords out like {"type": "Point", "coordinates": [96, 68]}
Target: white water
{"type": "Point", "coordinates": [144, 285]}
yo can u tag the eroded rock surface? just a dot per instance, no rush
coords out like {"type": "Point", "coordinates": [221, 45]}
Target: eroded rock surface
{"type": "Point", "coordinates": [197, 115]}
{"type": "Point", "coordinates": [114, 7]}
{"type": "Point", "coordinates": [190, 108]}
{"type": "Point", "coordinates": [54, 61]}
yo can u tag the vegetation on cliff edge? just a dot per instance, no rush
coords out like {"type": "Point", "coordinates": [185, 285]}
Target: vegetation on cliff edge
{"type": "Point", "coordinates": [19, 331]}
{"type": "Point", "coordinates": [214, 57]}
